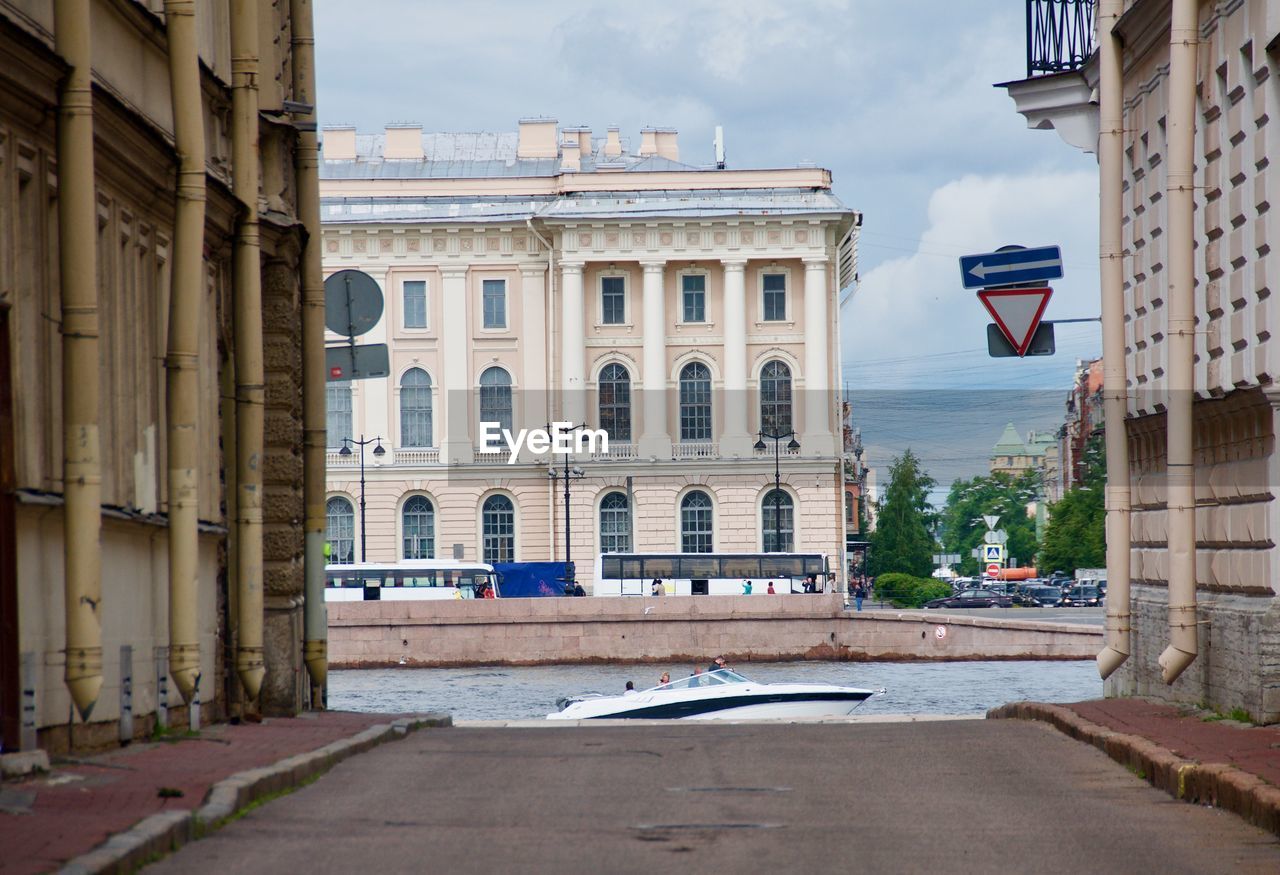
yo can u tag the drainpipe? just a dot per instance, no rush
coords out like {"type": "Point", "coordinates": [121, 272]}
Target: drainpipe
{"type": "Point", "coordinates": [1114, 390]}
{"type": "Point", "coordinates": [182, 389]}
{"type": "Point", "coordinates": [551, 317]}
{"type": "Point", "coordinates": [248, 339]}
{"type": "Point", "coordinates": [307, 163]}
{"type": "Point", "coordinates": [77, 264]}
{"type": "Point", "coordinates": [1180, 476]}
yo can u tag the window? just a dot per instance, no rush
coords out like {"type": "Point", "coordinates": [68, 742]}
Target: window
{"type": "Point", "coordinates": [415, 408]}
{"type": "Point", "coordinates": [695, 402]}
{"type": "Point", "coordinates": [338, 412]}
{"type": "Point", "coordinates": [498, 523]}
{"type": "Point", "coordinates": [615, 523]}
{"type": "Point", "coordinates": [615, 402]}
{"type": "Point", "coordinates": [693, 288]}
{"type": "Point", "coordinates": [695, 523]}
{"type": "Point", "coordinates": [340, 521]}
{"type": "Point", "coordinates": [415, 304]}
{"type": "Point", "coordinates": [778, 522]}
{"type": "Point", "coordinates": [495, 303]}
{"type": "Point", "coordinates": [775, 297]}
{"type": "Point", "coordinates": [775, 398]}
{"type": "Point", "coordinates": [495, 397]}
{"type": "Point", "coordinates": [419, 518]}
{"type": "Point", "coordinates": [848, 507]}
{"type": "Point", "coordinates": [613, 300]}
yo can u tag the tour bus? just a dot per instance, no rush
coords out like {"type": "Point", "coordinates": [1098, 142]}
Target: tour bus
{"type": "Point", "coordinates": [410, 580]}
{"type": "Point", "coordinates": [707, 573]}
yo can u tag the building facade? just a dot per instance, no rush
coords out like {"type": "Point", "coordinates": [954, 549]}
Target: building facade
{"type": "Point", "coordinates": [1014, 456]}
{"type": "Point", "coordinates": [550, 275]}
{"type": "Point", "coordinates": [1081, 422]}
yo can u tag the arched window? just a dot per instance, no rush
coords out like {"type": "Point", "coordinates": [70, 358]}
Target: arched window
{"type": "Point", "coordinates": [775, 398]}
{"type": "Point", "coordinates": [695, 402]}
{"type": "Point", "coordinates": [419, 524]}
{"type": "Point", "coordinates": [498, 523]}
{"type": "Point", "coordinates": [615, 402]}
{"type": "Point", "coordinates": [778, 525]}
{"type": "Point", "coordinates": [340, 520]}
{"type": "Point", "coordinates": [695, 523]}
{"type": "Point", "coordinates": [338, 412]}
{"type": "Point", "coordinates": [415, 408]}
{"type": "Point", "coordinates": [615, 523]}
{"type": "Point", "coordinates": [495, 397]}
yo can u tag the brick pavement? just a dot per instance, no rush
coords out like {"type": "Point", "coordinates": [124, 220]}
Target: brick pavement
{"type": "Point", "coordinates": [48, 820]}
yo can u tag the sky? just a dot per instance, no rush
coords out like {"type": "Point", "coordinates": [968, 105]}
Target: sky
{"type": "Point", "coordinates": [895, 97]}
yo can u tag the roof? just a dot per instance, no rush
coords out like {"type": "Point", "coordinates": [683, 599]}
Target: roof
{"type": "Point", "coordinates": [1010, 443]}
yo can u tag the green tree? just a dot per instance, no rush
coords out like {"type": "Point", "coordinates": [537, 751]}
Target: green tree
{"type": "Point", "coordinates": [901, 541]}
{"type": "Point", "coordinates": [1076, 536]}
{"type": "Point", "coordinates": [1000, 494]}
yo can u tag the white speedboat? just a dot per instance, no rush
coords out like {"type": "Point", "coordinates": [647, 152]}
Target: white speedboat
{"type": "Point", "coordinates": [717, 695]}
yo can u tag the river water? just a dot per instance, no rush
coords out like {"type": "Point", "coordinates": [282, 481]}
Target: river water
{"type": "Point", "coordinates": [516, 693]}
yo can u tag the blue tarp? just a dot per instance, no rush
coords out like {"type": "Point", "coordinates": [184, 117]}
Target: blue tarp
{"type": "Point", "coordinates": [530, 579]}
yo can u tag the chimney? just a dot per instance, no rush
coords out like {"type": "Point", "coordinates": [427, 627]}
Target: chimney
{"type": "Point", "coordinates": [667, 146]}
{"type": "Point", "coordinates": [537, 138]}
{"type": "Point", "coordinates": [570, 157]}
{"type": "Point", "coordinates": [612, 145]}
{"type": "Point", "coordinates": [582, 134]}
{"type": "Point", "coordinates": [340, 143]}
{"type": "Point", "coordinates": [404, 141]}
{"type": "Point", "coordinates": [648, 142]}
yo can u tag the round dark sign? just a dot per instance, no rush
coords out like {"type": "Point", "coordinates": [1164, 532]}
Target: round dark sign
{"type": "Point", "coordinates": [352, 303]}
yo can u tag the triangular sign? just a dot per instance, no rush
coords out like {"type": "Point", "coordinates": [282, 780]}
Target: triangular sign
{"type": "Point", "coordinates": [1017, 312]}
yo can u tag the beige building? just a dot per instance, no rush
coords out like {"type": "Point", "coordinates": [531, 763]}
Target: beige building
{"type": "Point", "coordinates": [551, 274]}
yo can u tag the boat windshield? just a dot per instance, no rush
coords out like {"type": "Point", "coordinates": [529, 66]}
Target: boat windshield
{"type": "Point", "coordinates": [707, 679]}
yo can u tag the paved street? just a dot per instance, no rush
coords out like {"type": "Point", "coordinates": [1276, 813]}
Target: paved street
{"type": "Point", "coordinates": [950, 796]}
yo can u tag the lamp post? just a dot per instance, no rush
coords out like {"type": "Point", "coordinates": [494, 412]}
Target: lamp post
{"type": "Point", "coordinates": [569, 474]}
{"type": "Point", "coordinates": [792, 446]}
{"type": "Point", "coordinates": [347, 444]}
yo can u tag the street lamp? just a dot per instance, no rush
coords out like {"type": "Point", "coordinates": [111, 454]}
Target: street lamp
{"type": "Point", "coordinates": [347, 444]}
{"type": "Point", "coordinates": [792, 447]}
{"type": "Point", "coordinates": [569, 474]}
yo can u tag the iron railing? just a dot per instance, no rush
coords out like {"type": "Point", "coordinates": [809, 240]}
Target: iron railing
{"type": "Point", "coordinates": [1059, 35]}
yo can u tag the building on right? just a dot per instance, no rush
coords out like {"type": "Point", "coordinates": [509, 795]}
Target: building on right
{"type": "Point", "coordinates": [1180, 102]}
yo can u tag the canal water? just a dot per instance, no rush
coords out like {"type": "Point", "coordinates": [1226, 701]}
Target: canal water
{"type": "Point", "coordinates": [517, 693]}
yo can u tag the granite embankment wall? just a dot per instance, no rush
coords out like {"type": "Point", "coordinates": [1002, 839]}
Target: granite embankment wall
{"type": "Point", "coordinates": [673, 629]}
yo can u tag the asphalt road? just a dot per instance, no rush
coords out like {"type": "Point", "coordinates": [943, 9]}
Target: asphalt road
{"type": "Point", "coordinates": [938, 797]}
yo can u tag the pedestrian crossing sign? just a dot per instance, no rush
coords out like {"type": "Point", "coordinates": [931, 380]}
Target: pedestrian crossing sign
{"type": "Point", "coordinates": [993, 553]}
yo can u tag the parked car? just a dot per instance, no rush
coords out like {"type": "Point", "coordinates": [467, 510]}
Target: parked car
{"type": "Point", "coordinates": [972, 598]}
{"type": "Point", "coordinates": [1048, 596]}
{"type": "Point", "coordinates": [1082, 597]}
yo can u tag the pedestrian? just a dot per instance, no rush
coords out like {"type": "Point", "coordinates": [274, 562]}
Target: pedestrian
{"type": "Point", "coordinates": [568, 588]}
{"type": "Point", "coordinates": [771, 592]}
{"type": "Point", "coordinates": [746, 587]}
{"type": "Point", "coordinates": [858, 595]}
{"type": "Point", "coordinates": [578, 590]}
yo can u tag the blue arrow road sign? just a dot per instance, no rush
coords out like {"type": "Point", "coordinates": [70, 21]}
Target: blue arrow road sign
{"type": "Point", "coordinates": [1013, 267]}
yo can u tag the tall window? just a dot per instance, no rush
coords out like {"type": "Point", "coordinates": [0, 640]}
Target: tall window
{"type": "Point", "coordinates": [495, 303]}
{"type": "Point", "coordinates": [495, 397]}
{"type": "Point", "coordinates": [615, 402]}
{"type": "Point", "coordinates": [415, 408]}
{"type": "Point", "coordinates": [695, 523]}
{"type": "Point", "coordinates": [613, 300]}
{"type": "Point", "coordinates": [848, 507]}
{"type": "Point", "coordinates": [419, 523]}
{"type": "Point", "coordinates": [695, 402]}
{"type": "Point", "coordinates": [338, 412]}
{"type": "Point", "coordinates": [693, 288]}
{"type": "Point", "coordinates": [498, 523]}
{"type": "Point", "coordinates": [775, 297]}
{"type": "Point", "coordinates": [415, 304]}
{"type": "Point", "coordinates": [778, 524]}
{"type": "Point", "coordinates": [775, 398]}
{"type": "Point", "coordinates": [615, 523]}
{"type": "Point", "coordinates": [340, 520]}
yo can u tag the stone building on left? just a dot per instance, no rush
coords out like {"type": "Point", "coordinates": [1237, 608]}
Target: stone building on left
{"type": "Point", "coordinates": [155, 281]}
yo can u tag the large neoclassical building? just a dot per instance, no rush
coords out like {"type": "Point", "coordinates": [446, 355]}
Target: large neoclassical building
{"type": "Point", "coordinates": [548, 275]}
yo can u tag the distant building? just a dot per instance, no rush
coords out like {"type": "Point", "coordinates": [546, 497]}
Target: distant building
{"type": "Point", "coordinates": [1012, 455]}
{"type": "Point", "coordinates": [1082, 421]}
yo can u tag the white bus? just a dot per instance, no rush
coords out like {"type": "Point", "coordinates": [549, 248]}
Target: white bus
{"type": "Point", "coordinates": [410, 580]}
{"type": "Point", "coordinates": [710, 573]}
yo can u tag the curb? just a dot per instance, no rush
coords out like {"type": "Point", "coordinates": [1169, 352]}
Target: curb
{"type": "Point", "coordinates": [165, 832]}
{"type": "Point", "coordinates": [1220, 785]}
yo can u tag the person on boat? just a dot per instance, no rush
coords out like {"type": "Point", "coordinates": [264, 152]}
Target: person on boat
{"type": "Point", "coordinates": [717, 664]}
{"type": "Point", "coordinates": [771, 591]}
{"type": "Point", "coordinates": [630, 690]}
{"type": "Point", "coordinates": [665, 679]}
{"type": "Point", "coordinates": [746, 587]}
{"type": "Point", "coordinates": [695, 681]}
{"type": "Point", "coordinates": [658, 587]}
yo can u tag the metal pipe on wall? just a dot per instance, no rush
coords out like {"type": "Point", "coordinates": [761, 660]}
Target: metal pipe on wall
{"type": "Point", "coordinates": [1114, 389]}
{"type": "Point", "coordinates": [307, 168]}
{"type": "Point", "coordinates": [1180, 475]}
{"type": "Point", "coordinates": [77, 265]}
{"type": "Point", "coordinates": [182, 389]}
{"type": "Point", "coordinates": [250, 389]}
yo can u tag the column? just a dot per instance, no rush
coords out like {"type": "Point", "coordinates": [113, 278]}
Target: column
{"type": "Point", "coordinates": [655, 440]}
{"type": "Point", "coordinates": [573, 345]}
{"type": "Point", "coordinates": [817, 437]}
{"type": "Point", "coordinates": [534, 405]}
{"type": "Point", "coordinates": [455, 357]}
{"type": "Point", "coordinates": [735, 441]}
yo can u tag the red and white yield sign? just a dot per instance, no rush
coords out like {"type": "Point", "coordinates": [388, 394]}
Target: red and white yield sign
{"type": "Point", "coordinates": [1017, 312]}
{"type": "Point", "coordinates": [993, 570]}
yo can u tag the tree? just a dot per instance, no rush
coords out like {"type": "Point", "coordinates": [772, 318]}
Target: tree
{"type": "Point", "coordinates": [1076, 536]}
{"type": "Point", "coordinates": [999, 494]}
{"type": "Point", "coordinates": [901, 541]}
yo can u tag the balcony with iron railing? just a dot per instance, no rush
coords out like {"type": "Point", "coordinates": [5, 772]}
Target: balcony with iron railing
{"type": "Point", "coordinates": [1060, 35]}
